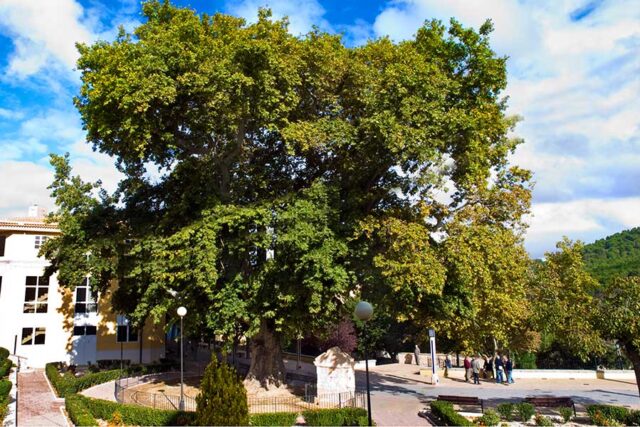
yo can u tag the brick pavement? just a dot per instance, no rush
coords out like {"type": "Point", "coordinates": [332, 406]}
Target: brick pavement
{"type": "Point", "coordinates": [37, 405]}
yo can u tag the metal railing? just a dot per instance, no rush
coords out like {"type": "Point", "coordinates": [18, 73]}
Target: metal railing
{"type": "Point", "coordinates": [357, 399]}
{"type": "Point", "coordinates": [125, 392]}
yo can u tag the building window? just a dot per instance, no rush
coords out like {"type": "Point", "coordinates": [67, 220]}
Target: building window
{"type": "Point", "coordinates": [84, 330]}
{"type": "Point", "coordinates": [36, 294]}
{"type": "Point", "coordinates": [85, 298]}
{"type": "Point", "coordinates": [33, 336]}
{"type": "Point", "coordinates": [3, 241]}
{"type": "Point", "coordinates": [125, 332]}
{"type": "Point", "coordinates": [40, 241]}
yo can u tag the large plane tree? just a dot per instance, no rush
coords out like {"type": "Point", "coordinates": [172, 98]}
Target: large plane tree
{"type": "Point", "coordinates": [269, 178]}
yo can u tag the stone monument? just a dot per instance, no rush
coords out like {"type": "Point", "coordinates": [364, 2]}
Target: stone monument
{"type": "Point", "coordinates": [336, 373]}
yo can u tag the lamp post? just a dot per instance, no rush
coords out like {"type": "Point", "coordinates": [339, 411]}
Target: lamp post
{"type": "Point", "coordinates": [182, 311]}
{"type": "Point", "coordinates": [363, 312]}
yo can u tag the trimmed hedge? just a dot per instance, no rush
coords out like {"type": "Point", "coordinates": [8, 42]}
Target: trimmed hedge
{"type": "Point", "coordinates": [318, 417]}
{"type": "Point", "coordinates": [449, 417]}
{"type": "Point", "coordinates": [4, 353]}
{"type": "Point", "coordinates": [336, 417]}
{"type": "Point", "coordinates": [5, 388]}
{"type": "Point", "coordinates": [618, 414]}
{"type": "Point", "coordinates": [68, 383]}
{"type": "Point", "coordinates": [78, 411]}
{"type": "Point", "coordinates": [609, 412]}
{"type": "Point", "coordinates": [633, 419]}
{"type": "Point", "coordinates": [273, 419]}
{"type": "Point", "coordinates": [5, 367]}
{"type": "Point", "coordinates": [136, 415]}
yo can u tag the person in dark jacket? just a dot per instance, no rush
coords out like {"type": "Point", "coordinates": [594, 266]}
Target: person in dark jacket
{"type": "Point", "coordinates": [508, 368]}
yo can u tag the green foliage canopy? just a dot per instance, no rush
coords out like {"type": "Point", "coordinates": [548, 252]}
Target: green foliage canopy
{"type": "Point", "coordinates": [614, 256]}
{"type": "Point", "coordinates": [270, 178]}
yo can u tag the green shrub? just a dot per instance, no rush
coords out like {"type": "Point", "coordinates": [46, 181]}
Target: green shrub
{"type": "Point", "coordinates": [78, 411]}
{"type": "Point", "coordinates": [136, 415]}
{"type": "Point", "coordinates": [608, 412]}
{"type": "Point", "coordinates": [273, 419]}
{"type": "Point", "coordinates": [600, 420]}
{"type": "Point", "coordinates": [565, 413]}
{"type": "Point", "coordinates": [489, 418]}
{"type": "Point", "coordinates": [222, 400]}
{"type": "Point", "coordinates": [5, 367]}
{"type": "Point", "coordinates": [541, 420]}
{"type": "Point", "coordinates": [336, 417]}
{"type": "Point", "coordinates": [506, 410]}
{"type": "Point", "coordinates": [447, 415]}
{"type": "Point", "coordinates": [525, 411]}
{"type": "Point", "coordinates": [526, 361]}
{"type": "Point", "coordinates": [5, 388]}
{"type": "Point", "coordinates": [4, 353]}
{"type": "Point", "coordinates": [68, 383]}
{"type": "Point", "coordinates": [633, 419]}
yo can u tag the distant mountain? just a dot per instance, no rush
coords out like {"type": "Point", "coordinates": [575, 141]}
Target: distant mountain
{"type": "Point", "coordinates": [616, 255]}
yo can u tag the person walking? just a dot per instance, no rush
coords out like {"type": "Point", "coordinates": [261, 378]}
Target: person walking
{"type": "Point", "coordinates": [467, 369]}
{"type": "Point", "coordinates": [487, 368]}
{"type": "Point", "coordinates": [416, 353]}
{"type": "Point", "coordinates": [447, 361]}
{"type": "Point", "coordinates": [477, 366]}
{"type": "Point", "coordinates": [508, 368]}
{"type": "Point", "coordinates": [499, 368]}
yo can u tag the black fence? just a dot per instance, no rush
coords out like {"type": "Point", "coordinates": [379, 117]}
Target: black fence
{"type": "Point", "coordinates": [357, 399]}
{"type": "Point", "coordinates": [126, 392]}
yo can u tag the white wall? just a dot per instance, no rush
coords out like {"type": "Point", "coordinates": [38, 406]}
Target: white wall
{"type": "Point", "coordinates": [20, 261]}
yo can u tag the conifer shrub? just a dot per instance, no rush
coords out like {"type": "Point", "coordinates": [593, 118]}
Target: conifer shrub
{"type": "Point", "coordinates": [543, 421]}
{"type": "Point", "coordinates": [506, 410]}
{"type": "Point", "coordinates": [489, 418]}
{"type": "Point", "coordinates": [525, 411]}
{"type": "Point", "coordinates": [223, 399]}
{"type": "Point", "coordinates": [565, 413]}
{"type": "Point", "coordinates": [4, 353]}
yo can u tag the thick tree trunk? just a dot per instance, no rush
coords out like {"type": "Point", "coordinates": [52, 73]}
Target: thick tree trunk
{"type": "Point", "coordinates": [634, 355]}
{"type": "Point", "coordinates": [267, 367]}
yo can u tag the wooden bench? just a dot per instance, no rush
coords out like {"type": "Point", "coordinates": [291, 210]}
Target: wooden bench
{"type": "Point", "coordinates": [552, 402]}
{"type": "Point", "coordinates": [462, 401]}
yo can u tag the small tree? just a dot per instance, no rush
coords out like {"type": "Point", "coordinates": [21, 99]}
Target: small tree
{"type": "Point", "coordinates": [223, 399]}
{"type": "Point", "coordinates": [342, 335]}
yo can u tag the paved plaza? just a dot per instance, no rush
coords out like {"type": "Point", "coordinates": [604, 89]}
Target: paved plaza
{"type": "Point", "coordinates": [399, 392]}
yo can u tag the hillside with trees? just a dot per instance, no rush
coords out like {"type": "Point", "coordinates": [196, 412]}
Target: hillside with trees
{"type": "Point", "coordinates": [617, 255]}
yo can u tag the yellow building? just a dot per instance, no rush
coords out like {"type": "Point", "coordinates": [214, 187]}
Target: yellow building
{"type": "Point", "coordinates": [43, 322]}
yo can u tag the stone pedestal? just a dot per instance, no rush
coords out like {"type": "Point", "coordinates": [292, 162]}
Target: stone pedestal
{"type": "Point", "coordinates": [336, 373]}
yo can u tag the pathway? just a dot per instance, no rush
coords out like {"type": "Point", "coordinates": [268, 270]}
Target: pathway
{"type": "Point", "coordinates": [37, 404]}
{"type": "Point", "coordinates": [398, 392]}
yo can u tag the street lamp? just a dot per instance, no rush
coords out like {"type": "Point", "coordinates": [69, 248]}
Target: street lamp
{"type": "Point", "coordinates": [182, 311]}
{"type": "Point", "coordinates": [364, 311]}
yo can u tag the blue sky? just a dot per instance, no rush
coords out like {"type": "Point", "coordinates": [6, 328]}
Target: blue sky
{"type": "Point", "coordinates": [574, 76]}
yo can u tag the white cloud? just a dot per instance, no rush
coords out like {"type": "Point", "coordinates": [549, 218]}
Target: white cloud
{"type": "Point", "coordinates": [303, 14]}
{"type": "Point", "coordinates": [43, 32]}
{"type": "Point", "coordinates": [576, 83]}
{"type": "Point", "coordinates": [587, 220]}
{"type": "Point", "coordinates": [515, 32]}
{"type": "Point", "coordinates": [10, 114]}
{"type": "Point", "coordinates": [24, 183]}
